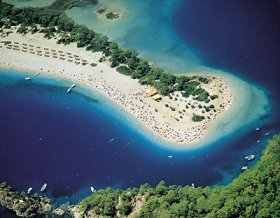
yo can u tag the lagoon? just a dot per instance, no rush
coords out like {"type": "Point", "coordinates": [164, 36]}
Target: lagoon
{"type": "Point", "coordinates": [72, 142]}
{"type": "Point", "coordinates": [161, 37]}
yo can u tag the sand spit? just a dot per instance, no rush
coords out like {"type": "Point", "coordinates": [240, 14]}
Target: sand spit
{"type": "Point", "coordinates": [167, 117]}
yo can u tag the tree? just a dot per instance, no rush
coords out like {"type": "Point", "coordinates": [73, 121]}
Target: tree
{"type": "Point", "coordinates": [161, 188]}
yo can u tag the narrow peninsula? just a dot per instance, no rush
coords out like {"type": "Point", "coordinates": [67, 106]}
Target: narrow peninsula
{"type": "Point", "coordinates": [177, 109]}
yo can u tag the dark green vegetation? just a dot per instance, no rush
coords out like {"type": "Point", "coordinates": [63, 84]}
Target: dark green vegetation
{"type": "Point", "coordinates": [23, 205]}
{"type": "Point", "coordinates": [53, 22]}
{"type": "Point", "coordinates": [255, 193]}
{"type": "Point", "coordinates": [197, 118]}
{"type": "Point", "coordinates": [112, 15]}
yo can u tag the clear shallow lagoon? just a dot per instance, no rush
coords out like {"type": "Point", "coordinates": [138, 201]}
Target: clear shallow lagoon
{"type": "Point", "coordinates": [146, 26]}
{"type": "Point", "coordinates": [66, 140]}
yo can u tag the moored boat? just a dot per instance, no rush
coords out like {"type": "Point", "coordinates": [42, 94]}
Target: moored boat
{"type": "Point", "coordinates": [29, 190]}
{"type": "Point", "coordinates": [250, 157]}
{"type": "Point", "coordinates": [92, 189]}
{"type": "Point", "coordinates": [43, 188]}
{"type": "Point", "coordinates": [70, 88]}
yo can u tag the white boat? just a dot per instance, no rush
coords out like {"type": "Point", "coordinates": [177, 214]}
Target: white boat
{"type": "Point", "coordinates": [70, 88]}
{"type": "Point", "coordinates": [29, 190]}
{"type": "Point", "coordinates": [267, 133]}
{"type": "Point", "coordinates": [111, 140]}
{"type": "Point", "coordinates": [244, 168]}
{"type": "Point", "coordinates": [27, 78]}
{"type": "Point", "coordinates": [250, 157]}
{"type": "Point", "coordinates": [92, 189]}
{"type": "Point", "coordinates": [170, 156]}
{"type": "Point", "coordinates": [43, 188]}
{"type": "Point", "coordinates": [258, 141]}
{"type": "Point", "coordinates": [30, 78]}
{"type": "Point", "coordinates": [193, 185]}
{"type": "Point", "coordinates": [258, 129]}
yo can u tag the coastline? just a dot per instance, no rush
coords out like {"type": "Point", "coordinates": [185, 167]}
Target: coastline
{"type": "Point", "coordinates": [242, 116]}
{"type": "Point", "coordinates": [163, 51]}
{"type": "Point", "coordinates": [264, 173]}
{"type": "Point", "coordinates": [169, 51]}
{"type": "Point", "coordinates": [121, 90]}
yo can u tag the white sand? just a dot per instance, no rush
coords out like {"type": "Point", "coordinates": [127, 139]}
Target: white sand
{"type": "Point", "coordinates": [160, 120]}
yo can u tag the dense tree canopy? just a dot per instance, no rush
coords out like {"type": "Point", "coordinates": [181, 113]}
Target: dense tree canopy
{"type": "Point", "coordinates": [255, 193]}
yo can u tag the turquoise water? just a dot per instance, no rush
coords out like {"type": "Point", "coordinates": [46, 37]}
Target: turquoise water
{"type": "Point", "coordinates": [146, 26]}
{"type": "Point", "coordinates": [30, 3]}
{"type": "Point", "coordinates": [65, 141]}
{"type": "Point", "coordinates": [150, 27]}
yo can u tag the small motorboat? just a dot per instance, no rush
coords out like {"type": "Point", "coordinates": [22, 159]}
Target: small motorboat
{"type": "Point", "coordinates": [267, 133]}
{"type": "Point", "coordinates": [30, 78]}
{"type": "Point", "coordinates": [27, 78]}
{"type": "Point", "coordinates": [258, 129]}
{"type": "Point", "coordinates": [193, 185]}
{"type": "Point", "coordinates": [170, 156]}
{"type": "Point", "coordinates": [250, 157]}
{"type": "Point", "coordinates": [29, 190]}
{"type": "Point", "coordinates": [44, 187]}
{"type": "Point", "coordinates": [70, 88]}
{"type": "Point", "coordinates": [244, 168]}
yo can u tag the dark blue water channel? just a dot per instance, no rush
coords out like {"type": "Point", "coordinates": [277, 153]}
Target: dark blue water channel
{"type": "Point", "coordinates": [73, 141]}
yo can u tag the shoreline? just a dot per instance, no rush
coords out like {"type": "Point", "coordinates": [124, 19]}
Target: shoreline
{"type": "Point", "coordinates": [34, 204]}
{"type": "Point", "coordinates": [120, 89]}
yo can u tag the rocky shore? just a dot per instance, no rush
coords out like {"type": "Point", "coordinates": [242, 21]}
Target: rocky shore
{"type": "Point", "coordinates": [24, 205]}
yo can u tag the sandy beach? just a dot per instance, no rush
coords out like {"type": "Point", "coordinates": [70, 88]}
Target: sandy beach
{"type": "Point", "coordinates": [168, 118]}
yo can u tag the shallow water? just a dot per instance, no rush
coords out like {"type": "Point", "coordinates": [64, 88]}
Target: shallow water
{"type": "Point", "coordinates": [146, 26]}
{"type": "Point", "coordinates": [30, 3]}
{"type": "Point", "coordinates": [66, 141]}
{"type": "Point", "coordinates": [153, 27]}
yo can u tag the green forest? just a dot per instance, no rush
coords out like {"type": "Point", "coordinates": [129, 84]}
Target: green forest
{"type": "Point", "coordinates": [255, 193]}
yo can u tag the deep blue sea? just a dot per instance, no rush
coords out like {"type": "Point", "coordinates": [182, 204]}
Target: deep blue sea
{"type": "Point", "coordinates": [241, 37]}
{"type": "Point", "coordinates": [73, 141]}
